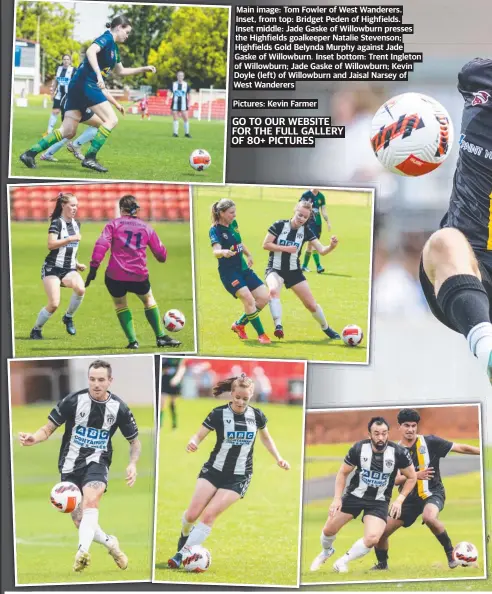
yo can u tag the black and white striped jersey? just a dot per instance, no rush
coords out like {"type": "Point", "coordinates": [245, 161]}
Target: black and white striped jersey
{"type": "Point", "coordinates": [375, 472]}
{"type": "Point", "coordinates": [236, 435]}
{"type": "Point", "coordinates": [285, 234]}
{"type": "Point", "coordinates": [66, 256]}
{"type": "Point", "coordinates": [181, 93]}
{"type": "Point", "coordinates": [89, 426]}
{"type": "Point", "coordinates": [63, 78]}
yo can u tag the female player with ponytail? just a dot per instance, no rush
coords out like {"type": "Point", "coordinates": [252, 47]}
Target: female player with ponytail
{"type": "Point", "coordinates": [225, 477]}
{"type": "Point", "coordinates": [86, 91]}
{"type": "Point", "coordinates": [235, 272]}
{"type": "Point", "coordinates": [60, 268]}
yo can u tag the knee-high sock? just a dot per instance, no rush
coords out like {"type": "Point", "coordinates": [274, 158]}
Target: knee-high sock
{"type": "Point", "coordinates": [185, 526]}
{"type": "Point", "coordinates": [358, 549]}
{"type": "Point", "coordinates": [46, 142]}
{"type": "Point", "coordinates": [276, 310]}
{"type": "Point", "coordinates": [98, 141]}
{"type": "Point", "coordinates": [73, 306]}
{"type": "Point", "coordinates": [126, 320]}
{"type": "Point", "coordinates": [88, 527]}
{"type": "Point", "coordinates": [175, 126]}
{"type": "Point", "coordinates": [319, 316]}
{"type": "Point", "coordinates": [154, 319]}
{"type": "Point", "coordinates": [56, 147]}
{"type": "Point", "coordinates": [87, 136]}
{"type": "Point", "coordinates": [52, 122]}
{"type": "Point", "coordinates": [43, 316]}
{"type": "Point", "coordinates": [187, 127]}
{"type": "Point", "coordinates": [327, 541]}
{"type": "Point", "coordinates": [199, 533]}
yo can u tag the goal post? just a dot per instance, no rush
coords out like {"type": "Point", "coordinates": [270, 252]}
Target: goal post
{"type": "Point", "coordinates": [211, 104]}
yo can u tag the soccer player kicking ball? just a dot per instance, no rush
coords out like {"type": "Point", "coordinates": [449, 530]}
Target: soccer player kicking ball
{"type": "Point", "coordinates": [376, 462]}
{"type": "Point", "coordinates": [91, 418]}
{"type": "Point", "coordinates": [427, 497]}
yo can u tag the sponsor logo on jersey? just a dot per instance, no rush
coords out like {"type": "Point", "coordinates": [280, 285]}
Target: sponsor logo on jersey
{"type": "Point", "coordinates": [480, 97]}
{"type": "Point", "coordinates": [423, 449]}
{"type": "Point", "coordinates": [286, 242]}
{"type": "Point", "coordinates": [240, 437]}
{"type": "Point", "coordinates": [374, 478]}
{"type": "Point", "coordinates": [88, 437]}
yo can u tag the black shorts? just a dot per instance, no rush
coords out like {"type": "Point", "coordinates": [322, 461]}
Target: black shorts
{"type": "Point", "coordinates": [238, 483]}
{"type": "Point", "coordinates": [317, 229]}
{"type": "Point", "coordinates": [413, 508]}
{"type": "Point", "coordinates": [57, 102]}
{"type": "Point", "coordinates": [93, 472]}
{"type": "Point", "coordinates": [49, 270]}
{"type": "Point", "coordinates": [431, 298]}
{"type": "Point", "coordinates": [355, 505]}
{"type": "Point", "coordinates": [166, 387]}
{"type": "Point", "coordinates": [118, 288]}
{"type": "Point", "coordinates": [291, 277]}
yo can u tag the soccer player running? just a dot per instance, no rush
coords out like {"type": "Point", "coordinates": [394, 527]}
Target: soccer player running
{"type": "Point", "coordinates": [318, 201]}
{"type": "Point", "coordinates": [456, 266]}
{"type": "Point", "coordinates": [59, 88]}
{"type": "Point", "coordinates": [235, 272]}
{"type": "Point", "coordinates": [284, 241]}
{"type": "Point", "coordinates": [61, 268]}
{"type": "Point", "coordinates": [128, 237]}
{"type": "Point", "coordinates": [173, 371]}
{"type": "Point", "coordinates": [376, 462]}
{"type": "Point", "coordinates": [225, 477]}
{"type": "Point", "coordinates": [144, 107]}
{"type": "Point", "coordinates": [91, 417]}
{"type": "Point", "coordinates": [180, 104]}
{"type": "Point", "coordinates": [86, 91]}
{"type": "Point", "coordinates": [428, 496]}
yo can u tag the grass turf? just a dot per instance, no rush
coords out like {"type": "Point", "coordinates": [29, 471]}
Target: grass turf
{"type": "Point", "coordinates": [136, 150]}
{"type": "Point", "coordinates": [268, 514]}
{"type": "Point", "coordinates": [342, 291]}
{"type": "Point", "coordinates": [98, 328]}
{"type": "Point", "coordinates": [46, 541]}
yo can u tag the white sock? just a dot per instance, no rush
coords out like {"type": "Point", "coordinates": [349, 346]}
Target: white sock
{"type": "Point", "coordinates": [327, 542]}
{"type": "Point", "coordinates": [88, 527]}
{"type": "Point", "coordinates": [357, 550]}
{"type": "Point", "coordinates": [52, 122]}
{"type": "Point", "coordinates": [276, 310]}
{"type": "Point", "coordinates": [176, 126]}
{"type": "Point", "coordinates": [187, 127]}
{"type": "Point", "coordinates": [480, 342]}
{"type": "Point", "coordinates": [319, 316]}
{"type": "Point", "coordinates": [86, 136]}
{"type": "Point", "coordinates": [198, 534]}
{"type": "Point", "coordinates": [101, 537]}
{"type": "Point", "coordinates": [185, 526]}
{"type": "Point", "coordinates": [73, 306]}
{"type": "Point", "coordinates": [43, 316]}
{"type": "Point", "coordinates": [56, 147]}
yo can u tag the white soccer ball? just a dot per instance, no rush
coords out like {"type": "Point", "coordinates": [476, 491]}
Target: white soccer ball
{"type": "Point", "coordinates": [411, 134]}
{"type": "Point", "coordinates": [466, 554]}
{"type": "Point", "coordinates": [65, 497]}
{"type": "Point", "coordinates": [174, 320]}
{"type": "Point", "coordinates": [352, 335]}
{"type": "Point", "coordinates": [197, 559]}
{"type": "Point", "coordinates": [200, 159]}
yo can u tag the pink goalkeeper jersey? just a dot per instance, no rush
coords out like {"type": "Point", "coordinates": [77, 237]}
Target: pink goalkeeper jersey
{"type": "Point", "coordinates": [128, 238]}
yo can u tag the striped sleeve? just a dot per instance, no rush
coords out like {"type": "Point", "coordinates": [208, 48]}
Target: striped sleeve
{"type": "Point", "coordinates": [63, 410]}
{"type": "Point", "coordinates": [126, 423]}
{"type": "Point", "coordinates": [212, 420]}
{"type": "Point", "coordinates": [55, 226]}
{"type": "Point", "coordinates": [276, 228]}
{"type": "Point", "coordinates": [261, 420]}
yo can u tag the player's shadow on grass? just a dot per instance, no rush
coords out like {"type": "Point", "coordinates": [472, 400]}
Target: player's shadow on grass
{"type": "Point", "coordinates": [334, 274]}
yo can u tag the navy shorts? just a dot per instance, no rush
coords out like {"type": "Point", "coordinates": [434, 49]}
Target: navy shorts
{"type": "Point", "coordinates": [82, 95]}
{"type": "Point", "coordinates": [118, 288]}
{"type": "Point", "coordinates": [317, 229]}
{"type": "Point", "coordinates": [93, 472]}
{"type": "Point", "coordinates": [233, 280]}
{"type": "Point", "coordinates": [370, 507]}
{"type": "Point", "coordinates": [86, 115]}
{"type": "Point", "coordinates": [238, 483]}
{"type": "Point", "coordinates": [411, 509]}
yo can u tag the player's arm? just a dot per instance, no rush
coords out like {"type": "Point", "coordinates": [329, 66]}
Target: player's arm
{"type": "Point", "coordinates": [325, 249]}
{"type": "Point", "coordinates": [131, 469]}
{"type": "Point", "coordinates": [120, 70]}
{"type": "Point", "coordinates": [324, 214]}
{"type": "Point", "coordinates": [91, 54]}
{"type": "Point", "coordinates": [270, 246]}
{"type": "Point", "coordinates": [113, 101]}
{"type": "Point", "coordinates": [219, 252]}
{"type": "Point", "coordinates": [464, 448]}
{"type": "Point", "coordinates": [267, 441]}
{"type": "Point", "coordinates": [42, 434]}
{"type": "Point", "coordinates": [54, 243]}
{"type": "Point", "coordinates": [340, 482]}
{"type": "Point", "coordinates": [176, 380]}
{"type": "Point", "coordinates": [196, 440]}
{"type": "Point", "coordinates": [410, 482]}
{"type": "Point", "coordinates": [53, 88]}
{"type": "Point", "coordinates": [156, 247]}
{"type": "Point", "coordinates": [101, 246]}
{"type": "Point", "coordinates": [249, 256]}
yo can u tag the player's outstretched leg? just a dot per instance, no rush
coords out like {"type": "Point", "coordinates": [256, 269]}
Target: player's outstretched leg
{"type": "Point", "coordinates": [238, 327]}
{"type": "Point", "coordinates": [373, 530]}
{"type": "Point", "coordinates": [452, 283]}
{"type": "Point", "coordinates": [125, 319]}
{"type": "Point", "coordinates": [251, 311]}
{"type": "Point", "coordinates": [186, 124]}
{"type": "Point", "coordinates": [28, 157]}
{"type": "Point", "coordinates": [52, 289]}
{"type": "Point", "coordinates": [326, 553]}
{"type": "Point", "coordinates": [319, 267]}
{"type": "Point", "coordinates": [49, 154]}
{"type": "Point", "coordinates": [155, 320]}
{"type": "Point", "coordinates": [430, 517]}
{"type": "Point", "coordinates": [303, 291]}
{"type": "Point", "coordinates": [274, 283]}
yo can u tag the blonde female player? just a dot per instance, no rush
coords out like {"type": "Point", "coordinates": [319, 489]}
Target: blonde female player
{"type": "Point", "coordinates": [61, 268]}
{"type": "Point", "coordinates": [284, 241]}
{"type": "Point", "coordinates": [225, 477]}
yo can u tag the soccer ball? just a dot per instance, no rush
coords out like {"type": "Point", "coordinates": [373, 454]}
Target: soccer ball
{"type": "Point", "coordinates": [411, 134]}
{"type": "Point", "coordinates": [65, 497]}
{"type": "Point", "coordinates": [174, 320]}
{"type": "Point", "coordinates": [466, 554]}
{"type": "Point", "coordinates": [197, 560]}
{"type": "Point", "coordinates": [352, 335]}
{"type": "Point", "coordinates": [200, 159]}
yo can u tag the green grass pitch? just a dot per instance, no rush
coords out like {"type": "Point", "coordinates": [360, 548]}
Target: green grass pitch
{"type": "Point", "coordinates": [259, 533]}
{"type": "Point", "coordinates": [98, 329]}
{"type": "Point", "coordinates": [136, 150]}
{"type": "Point", "coordinates": [414, 552]}
{"type": "Point", "coordinates": [46, 540]}
{"type": "Point", "coordinates": [342, 291]}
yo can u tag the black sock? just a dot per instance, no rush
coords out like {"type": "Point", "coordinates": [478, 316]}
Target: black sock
{"type": "Point", "coordinates": [381, 555]}
{"type": "Point", "coordinates": [445, 541]}
{"type": "Point", "coordinates": [464, 301]}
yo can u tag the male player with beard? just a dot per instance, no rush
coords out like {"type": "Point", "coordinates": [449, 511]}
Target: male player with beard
{"type": "Point", "coordinates": [428, 495]}
{"type": "Point", "coordinates": [375, 463]}
{"type": "Point", "coordinates": [91, 418]}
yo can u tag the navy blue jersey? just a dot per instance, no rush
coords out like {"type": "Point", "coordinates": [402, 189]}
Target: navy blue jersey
{"type": "Point", "coordinates": [107, 59]}
{"type": "Point", "coordinates": [229, 239]}
{"type": "Point", "coordinates": [471, 198]}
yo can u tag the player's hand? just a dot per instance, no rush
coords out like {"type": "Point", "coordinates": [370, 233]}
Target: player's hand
{"type": "Point", "coordinates": [173, 383]}
{"type": "Point", "coordinates": [395, 510]}
{"type": "Point", "coordinates": [131, 474]}
{"type": "Point", "coordinates": [329, 226]}
{"type": "Point", "coordinates": [149, 69]}
{"type": "Point", "coordinates": [76, 237]}
{"type": "Point", "coordinates": [228, 253]}
{"type": "Point", "coordinates": [250, 262]}
{"type": "Point", "coordinates": [120, 108]}
{"type": "Point", "coordinates": [27, 439]}
{"type": "Point", "coordinates": [91, 276]}
{"type": "Point", "coordinates": [81, 267]}
{"type": "Point", "coordinates": [289, 249]}
{"type": "Point", "coordinates": [100, 82]}
{"type": "Point", "coordinates": [192, 446]}
{"type": "Point", "coordinates": [283, 464]}
{"type": "Point", "coordinates": [334, 241]}
{"type": "Point", "coordinates": [426, 474]}
{"type": "Point", "coordinates": [335, 506]}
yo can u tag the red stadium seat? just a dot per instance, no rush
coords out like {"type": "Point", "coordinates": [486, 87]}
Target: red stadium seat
{"type": "Point", "coordinates": [20, 210]}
